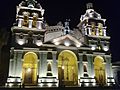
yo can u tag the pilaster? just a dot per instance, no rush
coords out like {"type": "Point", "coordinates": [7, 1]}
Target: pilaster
{"type": "Point", "coordinates": [80, 72]}
{"type": "Point", "coordinates": [54, 66]}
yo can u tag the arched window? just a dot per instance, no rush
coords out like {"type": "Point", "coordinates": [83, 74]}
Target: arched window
{"type": "Point", "coordinates": [100, 28]}
{"type": "Point", "coordinates": [35, 17]}
{"type": "Point", "coordinates": [85, 68]}
{"type": "Point", "coordinates": [49, 69]}
{"type": "Point", "coordinates": [49, 55]}
{"type": "Point", "coordinates": [67, 68]}
{"type": "Point", "coordinates": [26, 18]}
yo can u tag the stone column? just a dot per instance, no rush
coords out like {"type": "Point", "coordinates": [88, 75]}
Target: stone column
{"type": "Point", "coordinates": [80, 66]}
{"type": "Point", "coordinates": [39, 64]}
{"type": "Point", "coordinates": [104, 32]}
{"type": "Point", "coordinates": [89, 30]}
{"type": "Point", "coordinates": [108, 66]}
{"type": "Point", "coordinates": [20, 22]}
{"type": "Point", "coordinates": [43, 65]}
{"type": "Point", "coordinates": [39, 26]}
{"type": "Point", "coordinates": [11, 62]}
{"type": "Point", "coordinates": [97, 32]}
{"type": "Point", "coordinates": [54, 65]}
{"type": "Point", "coordinates": [14, 64]}
{"type": "Point", "coordinates": [85, 31]}
{"type": "Point", "coordinates": [90, 65]}
{"type": "Point", "coordinates": [30, 23]}
{"type": "Point", "coordinates": [19, 65]}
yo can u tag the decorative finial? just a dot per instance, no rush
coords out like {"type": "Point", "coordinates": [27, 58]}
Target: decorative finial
{"type": "Point", "coordinates": [89, 5]}
{"type": "Point", "coordinates": [31, 3]}
{"type": "Point", "coordinates": [67, 22]}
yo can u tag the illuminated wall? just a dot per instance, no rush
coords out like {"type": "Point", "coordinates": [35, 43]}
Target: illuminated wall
{"type": "Point", "coordinates": [57, 55]}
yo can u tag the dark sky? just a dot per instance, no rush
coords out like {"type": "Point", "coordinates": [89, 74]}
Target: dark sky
{"type": "Point", "coordinates": [60, 10]}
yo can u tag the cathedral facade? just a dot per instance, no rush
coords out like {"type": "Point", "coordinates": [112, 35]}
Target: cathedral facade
{"type": "Point", "coordinates": [56, 56]}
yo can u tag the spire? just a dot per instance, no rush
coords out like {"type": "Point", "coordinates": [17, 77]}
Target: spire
{"type": "Point", "coordinates": [67, 28]}
{"type": "Point", "coordinates": [89, 5]}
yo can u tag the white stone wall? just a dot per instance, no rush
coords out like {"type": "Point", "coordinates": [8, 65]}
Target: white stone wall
{"type": "Point", "coordinates": [52, 35]}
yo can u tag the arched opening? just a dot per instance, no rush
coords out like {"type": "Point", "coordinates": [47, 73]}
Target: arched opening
{"type": "Point", "coordinates": [67, 68]}
{"type": "Point", "coordinates": [29, 69]}
{"type": "Point", "coordinates": [99, 68]}
{"type": "Point", "coordinates": [26, 19]}
{"type": "Point", "coordinates": [49, 69]}
{"type": "Point", "coordinates": [85, 68]}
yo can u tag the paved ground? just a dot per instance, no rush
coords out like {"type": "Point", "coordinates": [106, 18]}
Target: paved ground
{"type": "Point", "coordinates": [64, 88]}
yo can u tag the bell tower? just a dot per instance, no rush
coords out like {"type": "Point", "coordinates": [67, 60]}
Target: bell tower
{"type": "Point", "coordinates": [27, 37]}
{"type": "Point", "coordinates": [30, 15]}
{"type": "Point", "coordinates": [52, 56]}
{"type": "Point", "coordinates": [93, 29]}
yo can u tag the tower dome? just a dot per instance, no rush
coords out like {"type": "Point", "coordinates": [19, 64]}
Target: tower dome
{"type": "Point", "coordinates": [90, 13]}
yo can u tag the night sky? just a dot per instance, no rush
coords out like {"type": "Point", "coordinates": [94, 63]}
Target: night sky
{"type": "Point", "coordinates": [60, 10]}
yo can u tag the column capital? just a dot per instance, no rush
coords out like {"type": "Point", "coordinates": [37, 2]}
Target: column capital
{"type": "Point", "coordinates": [43, 52]}
{"type": "Point", "coordinates": [80, 54]}
{"type": "Point", "coordinates": [54, 52]}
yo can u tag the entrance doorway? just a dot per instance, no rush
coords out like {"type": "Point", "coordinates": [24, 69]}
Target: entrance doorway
{"type": "Point", "coordinates": [29, 69]}
{"type": "Point", "coordinates": [99, 68]}
{"type": "Point", "coordinates": [67, 68]}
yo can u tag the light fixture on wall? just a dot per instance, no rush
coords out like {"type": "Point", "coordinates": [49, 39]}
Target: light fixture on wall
{"type": "Point", "coordinates": [93, 47]}
{"type": "Point", "coordinates": [105, 48]}
{"type": "Point", "coordinates": [38, 42]}
{"type": "Point", "coordinates": [67, 43]}
{"type": "Point", "coordinates": [49, 84]}
{"type": "Point", "coordinates": [10, 84]}
{"type": "Point", "coordinates": [20, 39]}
